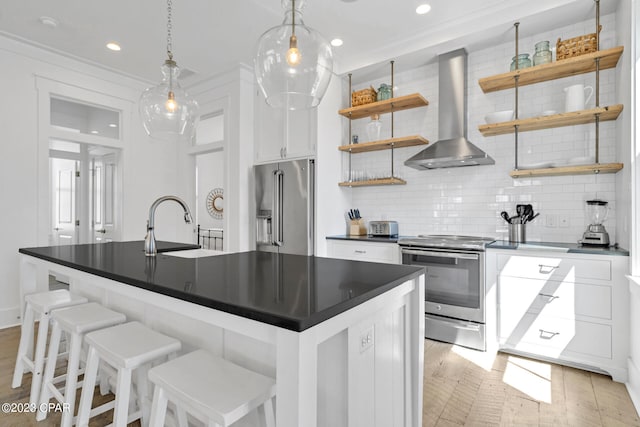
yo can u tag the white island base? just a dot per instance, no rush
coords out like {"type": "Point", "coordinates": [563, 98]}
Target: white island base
{"type": "Point", "coordinates": [362, 367]}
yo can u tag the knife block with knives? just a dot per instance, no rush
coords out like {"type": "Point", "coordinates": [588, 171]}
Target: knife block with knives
{"type": "Point", "coordinates": [356, 223]}
{"type": "Point", "coordinates": [357, 227]}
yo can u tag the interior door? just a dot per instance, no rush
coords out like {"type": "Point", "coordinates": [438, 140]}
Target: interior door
{"type": "Point", "coordinates": [64, 176]}
{"type": "Point", "coordinates": [104, 219]}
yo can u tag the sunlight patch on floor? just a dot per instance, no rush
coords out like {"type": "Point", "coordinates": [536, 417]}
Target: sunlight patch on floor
{"type": "Point", "coordinates": [530, 377]}
{"type": "Point", "coordinates": [482, 359]}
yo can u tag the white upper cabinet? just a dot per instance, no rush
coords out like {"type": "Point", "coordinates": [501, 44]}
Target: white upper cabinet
{"type": "Point", "coordinates": [283, 134]}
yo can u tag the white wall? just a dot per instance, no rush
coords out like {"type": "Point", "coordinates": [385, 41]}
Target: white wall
{"type": "Point", "coordinates": [149, 167]}
{"type": "Point", "coordinates": [468, 200]}
{"type": "Point", "coordinates": [231, 92]}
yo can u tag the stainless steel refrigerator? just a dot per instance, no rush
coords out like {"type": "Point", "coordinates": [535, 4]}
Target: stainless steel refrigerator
{"type": "Point", "coordinates": [285, 207]}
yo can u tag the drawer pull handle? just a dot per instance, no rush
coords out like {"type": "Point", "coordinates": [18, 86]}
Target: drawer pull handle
{"type": "Point", "coordinates": [360, 252]}
{"type": "Point", "coordinates": [551, 297]}
{"type": "Point", "coordinates": [547, 335]}
{"type": "Point", "coordinates": [547, 269]}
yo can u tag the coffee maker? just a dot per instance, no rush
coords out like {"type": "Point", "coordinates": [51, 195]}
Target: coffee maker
{"type": "Point", "coordinates": [596, 234]}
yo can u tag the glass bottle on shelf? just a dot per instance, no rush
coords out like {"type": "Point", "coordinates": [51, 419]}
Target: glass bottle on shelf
{"type": "Point", "coordinates": [374, 127]}
{"type": "Point", "coordinates": [384, 92]}
{"type": "Point", "coordinates": [543, 54]}
{"type": "Point", "coordinates": [523, 61]}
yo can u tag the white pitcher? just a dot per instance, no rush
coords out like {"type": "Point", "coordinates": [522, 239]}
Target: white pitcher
{"type": "Point", "coordinates": [575, 97]}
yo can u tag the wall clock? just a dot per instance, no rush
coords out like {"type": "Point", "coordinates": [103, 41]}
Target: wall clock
{"type": "Point", "coordinates": [214, 203]}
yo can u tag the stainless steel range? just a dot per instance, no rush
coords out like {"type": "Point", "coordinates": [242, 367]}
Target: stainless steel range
{"type": "Point", "coordinates": [454, 286]}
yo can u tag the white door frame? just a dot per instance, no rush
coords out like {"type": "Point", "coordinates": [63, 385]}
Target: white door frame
{"type": "Point", "coordinates": [47, 89]}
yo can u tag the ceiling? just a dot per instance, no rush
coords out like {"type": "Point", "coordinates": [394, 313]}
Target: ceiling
{"type": "Point", "coordinates": [212, 37]}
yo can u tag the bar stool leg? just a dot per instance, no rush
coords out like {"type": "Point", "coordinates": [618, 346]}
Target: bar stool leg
{"type": "Point", "coordinates": [90, 373]}
{"type": "Point", "coordinates": [158, 408]}
{"type": "Point", "coordinates": [75, 347]}
{"type": "Point", "coordinates": [45, 393]}
{"type": "Point", "coordinates": [266, 410]}
{"type": "Point", "coordinates": [181, 416]}
{"type": "Point", "coordinates": [142, 389]}
{"type": "Point", "coordinates": [26, 336]}
{"type": "Point", "coordinates": [38, 361]}
{"type": "Point", "coordinates": [123, 389]}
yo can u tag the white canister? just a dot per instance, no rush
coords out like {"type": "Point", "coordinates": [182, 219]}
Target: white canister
{"type": "Point", "coordinates": [575, 97]}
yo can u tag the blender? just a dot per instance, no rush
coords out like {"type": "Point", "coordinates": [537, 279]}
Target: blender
{"type": "Point", "coordinates": [596, 235]}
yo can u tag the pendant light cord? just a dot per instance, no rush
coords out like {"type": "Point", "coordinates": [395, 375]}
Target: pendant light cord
{"type": "Point", "coordinates": [293, 17]}
{"type": "Point", "coordinates": [169, 28]}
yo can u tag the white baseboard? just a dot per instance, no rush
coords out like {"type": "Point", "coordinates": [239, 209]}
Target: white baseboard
{"type": "Point", "coordinates": [9, 317]}
{"type": "Point", "coordinates": [633, 384]}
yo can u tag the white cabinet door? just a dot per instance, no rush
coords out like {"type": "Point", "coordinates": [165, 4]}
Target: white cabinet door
{"type": "Point", "coordinates": [364, 251]}
{"type": "Point", "coordinates": [269, 131]}
{"type": "Point", "coordinates": [301, 133]}
{"type": "Point", "coordinates": [283, 134]}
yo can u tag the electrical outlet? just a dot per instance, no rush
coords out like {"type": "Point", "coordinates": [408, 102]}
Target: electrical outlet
{"type": "Point", "coordinates": [366, 339]}
{"type": "Point", "coordinates": [563, 221]}
{"type": "Point", "coordinates": [551, 220]}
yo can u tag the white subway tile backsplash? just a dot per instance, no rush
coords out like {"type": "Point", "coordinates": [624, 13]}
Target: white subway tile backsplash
{"type": "Point", "coordinates": [468, 200]}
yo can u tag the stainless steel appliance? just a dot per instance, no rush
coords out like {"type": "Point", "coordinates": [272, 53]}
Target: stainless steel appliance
{"type": "Point", "coordinates": [383, 228]}
{"type": "Point", "coordinates": [454, 286]}
{"type": "Point", "coordinates": [596, 234]}
{"type": "Point", "coordinates": [285, 200]}
{"type": "Point", "coordinates": [452, 149]}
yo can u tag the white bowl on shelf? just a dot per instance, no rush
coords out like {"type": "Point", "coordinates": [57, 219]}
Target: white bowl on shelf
{"type": "Point", "coordinates": [499, 117]}
{"type": "Point", "coordinates": [549, 112]}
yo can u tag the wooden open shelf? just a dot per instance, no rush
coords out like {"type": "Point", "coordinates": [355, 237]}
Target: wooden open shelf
{"type": "Point", "coordinates": [371, 182]}
{"type": "Point", "coordinates": [385, 144]}
{"type": "Point", "coordinates": [387, 106]}
{"type": "Point", "coordinates": [557, 120]}
{"type": "Point", "coordinates": [553, 70]}
{"type": "Point", "coordinates": [568, 170]}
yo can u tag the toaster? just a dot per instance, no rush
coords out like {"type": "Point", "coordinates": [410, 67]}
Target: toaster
{"type": "Point", "coordinates": [383, 228]}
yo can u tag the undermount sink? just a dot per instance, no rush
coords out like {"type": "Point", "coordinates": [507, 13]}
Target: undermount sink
{"type": "Point", "coordinates": [194, 253]}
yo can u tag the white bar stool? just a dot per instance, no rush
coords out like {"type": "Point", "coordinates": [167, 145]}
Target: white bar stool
{"type": "Point", "coordinates": [40, 305]}
{"type": "Point", "coordinates": [212, 389]}
{"type": "Point", "coordinates": [127, 347]}
{"type": "Point", "coordinates": [75, 321]}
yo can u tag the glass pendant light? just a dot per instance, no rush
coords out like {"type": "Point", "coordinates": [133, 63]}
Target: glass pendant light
{"type": "Point", "coordinates": [294, 63]}
{"type": "Point", "coordinates": [167, 111]}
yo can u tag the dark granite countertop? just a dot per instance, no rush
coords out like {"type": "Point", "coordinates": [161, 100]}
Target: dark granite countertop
{"type": "Point", "coordinates": [290, 291]}
{"type": "Point", "coordinates": [572, 248]}
{"type": "Point", "coordinates": [366, 238]}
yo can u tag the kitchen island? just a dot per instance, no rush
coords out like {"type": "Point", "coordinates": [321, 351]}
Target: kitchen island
{"type": "Point", "coordinates": [343, 339]}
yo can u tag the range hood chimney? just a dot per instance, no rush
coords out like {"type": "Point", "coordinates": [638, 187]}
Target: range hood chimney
{"type": "Point", "coordinates": [452, 148]}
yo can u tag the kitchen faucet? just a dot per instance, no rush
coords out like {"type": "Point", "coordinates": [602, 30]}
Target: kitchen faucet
{"type": "Point", "coordinates": [150, 248]}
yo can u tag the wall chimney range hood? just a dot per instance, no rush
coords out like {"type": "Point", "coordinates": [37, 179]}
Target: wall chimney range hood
{"type": "Point", "coordinates": [452, 149]}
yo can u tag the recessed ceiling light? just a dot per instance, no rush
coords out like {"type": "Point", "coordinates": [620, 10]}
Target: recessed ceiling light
{"type": "Point", "coordinates": [113, 46]}
{"type": "Point", "coordinates": [49, 21]}
{"type": "Point", "coordinates": [336, 42]}
{"type": "Point", "coordinates": [94, 132]}
{"type": "Point", "coordinates": [113, 125]}
{"type": "Point", "coordinates": [423, 9]}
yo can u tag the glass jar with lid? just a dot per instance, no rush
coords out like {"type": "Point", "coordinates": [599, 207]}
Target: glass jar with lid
{"type": "Point", "coordinates": [543, 54]}
{"type": "Point", "coordinates": [384, 92]}
{"type": "Point", "coordinates": [522, 60]}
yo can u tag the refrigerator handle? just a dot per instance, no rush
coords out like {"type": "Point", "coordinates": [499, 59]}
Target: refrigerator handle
{"type": "Point", "coordinates": [278, 177]}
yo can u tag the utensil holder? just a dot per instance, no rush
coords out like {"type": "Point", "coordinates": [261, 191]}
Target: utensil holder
{"type": "Point", "coordinates": [357, 227]}
{"type": "Point", "coordinates": [517, 233]}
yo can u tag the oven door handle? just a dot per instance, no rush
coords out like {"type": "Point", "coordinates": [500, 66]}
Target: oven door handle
{"type": "Point", "coordinates": [457, 324]}
{"type": "Point", "coordinates": [441, 254]}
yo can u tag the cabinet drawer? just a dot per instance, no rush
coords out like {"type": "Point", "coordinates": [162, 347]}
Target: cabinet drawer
{"type": "Point", "coordinates": [566, 299]}
{"type": "Point", "coordinates": [556, 268]}
{"type": "Point", "coordinates": [554, 337]}
{"type": "Point", "coordinates": [364, 251]}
